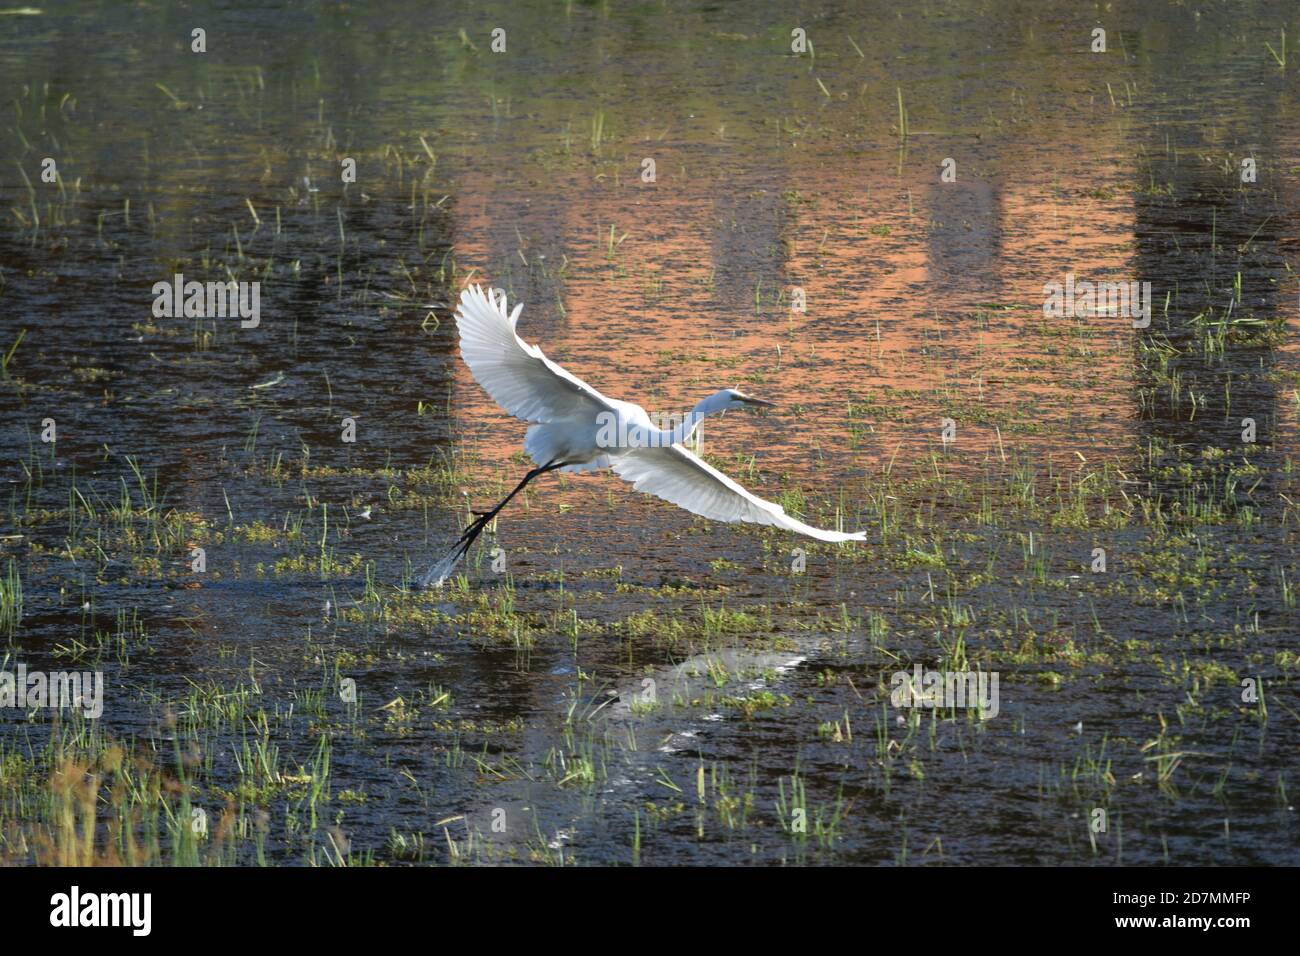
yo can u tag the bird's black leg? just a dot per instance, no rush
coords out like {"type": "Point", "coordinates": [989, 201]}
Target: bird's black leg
{"type": "Point", "coordinates": [483, 517]}
{"type": "Point", "coordinates": [439, 572]}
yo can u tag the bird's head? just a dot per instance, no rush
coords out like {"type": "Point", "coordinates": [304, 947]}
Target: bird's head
{"type": "Point", "coordinates": [738, 399]}
{"type": "Point", "coordinates": [727, 398]}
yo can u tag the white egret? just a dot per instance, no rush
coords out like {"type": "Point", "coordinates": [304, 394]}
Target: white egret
{"type": "Point", "coordinates": [576, 428]}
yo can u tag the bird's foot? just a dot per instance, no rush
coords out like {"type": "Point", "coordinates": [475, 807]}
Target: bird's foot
{"type": "Point", "coordinates": [439, 573]}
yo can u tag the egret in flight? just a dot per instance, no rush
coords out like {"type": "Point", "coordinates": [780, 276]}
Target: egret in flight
{"type": "Point", "coordinates": [575, 429]}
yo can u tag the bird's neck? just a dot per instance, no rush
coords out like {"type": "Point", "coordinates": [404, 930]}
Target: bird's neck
{"type": "Point", "coordinates": [691, 421]}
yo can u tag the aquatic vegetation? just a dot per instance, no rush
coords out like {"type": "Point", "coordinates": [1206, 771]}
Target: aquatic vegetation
{"type": "Point", "coordinates": [1104, 515]}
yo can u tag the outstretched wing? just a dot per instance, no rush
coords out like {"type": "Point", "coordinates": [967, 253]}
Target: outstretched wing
{"type": "Point", "coordinates": [518, 376]}
{"type": "Point", "coordinates": [674, 474]}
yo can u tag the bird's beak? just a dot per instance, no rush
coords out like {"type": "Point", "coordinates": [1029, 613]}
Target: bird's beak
{"type": "Point", "coordinates": [757, 401]}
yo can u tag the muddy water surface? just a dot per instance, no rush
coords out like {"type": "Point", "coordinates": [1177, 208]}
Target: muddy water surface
{"type": "Point", "coordinates": [629, 683]}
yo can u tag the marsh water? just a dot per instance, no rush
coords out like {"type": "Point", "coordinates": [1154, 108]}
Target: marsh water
{"type": "Point", "coordinates": [682, 203]}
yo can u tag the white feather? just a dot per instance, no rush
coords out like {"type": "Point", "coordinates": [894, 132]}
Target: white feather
{"type": "Point", "coordinates": [674, 474]}
{"type": "Point", "coordinates": [567, 416]}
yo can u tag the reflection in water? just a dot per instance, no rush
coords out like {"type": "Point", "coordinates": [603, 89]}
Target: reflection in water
{"type": "Point", "coordinates": [773, 174]}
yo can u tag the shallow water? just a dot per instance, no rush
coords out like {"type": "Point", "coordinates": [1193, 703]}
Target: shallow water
{"type": "Point", "coordinates": [773, 172]}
